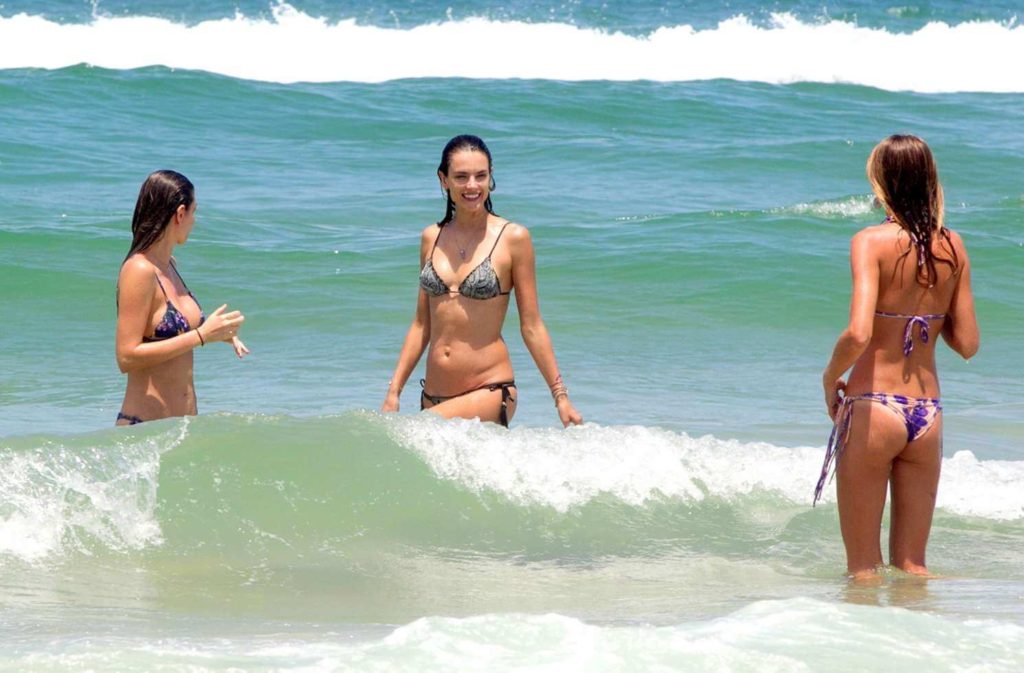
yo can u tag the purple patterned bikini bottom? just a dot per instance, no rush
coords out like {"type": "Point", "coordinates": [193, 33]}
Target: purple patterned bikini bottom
{"type": "Point", "coordinates": [917, 413]}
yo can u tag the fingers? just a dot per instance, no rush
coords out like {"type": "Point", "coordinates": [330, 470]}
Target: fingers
{"type": "Point", "coordinates": [832, 402]}
{"type": "Point", "coordinates": [232, 319]}
{"type": "Point", "coordinates": [834, 397]}
{"type": "Point", "coordinates": [240, 348]}
{"type": "Point", "coordinates": [232, 326]}
{"type": "Point", "coordinates": [219, 310]}
{"type": "Point", "coordinates": [225, 326]}
{"type": "Point", "coordinates": [571, 417]}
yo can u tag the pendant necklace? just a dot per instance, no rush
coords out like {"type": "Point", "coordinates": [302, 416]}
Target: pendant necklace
{"type": "Point", "coordinates": [460, 246]}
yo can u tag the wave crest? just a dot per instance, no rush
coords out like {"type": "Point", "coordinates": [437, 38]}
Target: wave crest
{"type": "Point", "coordinates": [292, 46]}
{"type": "Point", "coordinates": [280, 485]}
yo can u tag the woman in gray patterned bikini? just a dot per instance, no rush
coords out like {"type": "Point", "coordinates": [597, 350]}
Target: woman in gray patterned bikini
{"type": "Point", "coordinates": [470, 261]}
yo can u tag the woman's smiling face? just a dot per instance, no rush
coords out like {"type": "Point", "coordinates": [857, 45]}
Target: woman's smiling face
{"type": "Point", "coordinates": [468, 180]}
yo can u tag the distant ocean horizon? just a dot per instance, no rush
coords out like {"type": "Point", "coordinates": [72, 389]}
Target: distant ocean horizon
{"type": "Point", "coordinates": [691, 176]}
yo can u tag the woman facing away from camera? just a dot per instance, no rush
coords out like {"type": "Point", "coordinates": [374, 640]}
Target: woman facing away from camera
{"type": "Point", "coordinates": [470, 262]}
{"type": "Point", "coordinates": [911, 282]}
{"type": "Point", "coordinates": [159, 321]}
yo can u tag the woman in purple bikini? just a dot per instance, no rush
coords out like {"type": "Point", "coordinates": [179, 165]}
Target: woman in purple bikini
{"type": "Point", "coordinates": [911, 280]}
{"type": "Point", "coordinates": [159, 321]}
{"type": "Point", "coordinates": [470, 262]}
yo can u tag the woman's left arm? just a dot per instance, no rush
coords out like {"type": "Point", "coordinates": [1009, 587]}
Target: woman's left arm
{"type": "Point", "coordinates": [535, 334]}
{"type": "Point", "coordinates": [857, 335]}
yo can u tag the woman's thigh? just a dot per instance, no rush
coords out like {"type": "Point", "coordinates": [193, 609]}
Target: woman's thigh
{"type": "Point", "coordinates": [876, 437]}
{"type": "Point", "coordinates": [914, 486]}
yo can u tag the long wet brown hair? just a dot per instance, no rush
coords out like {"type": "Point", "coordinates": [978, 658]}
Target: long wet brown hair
{"type": "Point", "coordinates": [161, 195]}
{"type": "Point", "coordinates": [904, 177]}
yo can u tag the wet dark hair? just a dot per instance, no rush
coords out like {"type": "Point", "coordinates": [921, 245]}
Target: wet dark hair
{"type": "Point", "coordinates": [904, 177]}
{"type": "Point", "coordinates": [458, 144]}
{"type": "Point", "coordinates": [161, 195]}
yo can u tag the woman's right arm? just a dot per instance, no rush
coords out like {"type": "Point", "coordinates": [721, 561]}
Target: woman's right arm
{"type": "Point", "coordinates": [961, 328]}
{"type": "Point", "coordinates": [416, 339]}
{"type": "Point", "coordinates": [855, 338]}
{"type": "Point", "coordinates": [135, 287]}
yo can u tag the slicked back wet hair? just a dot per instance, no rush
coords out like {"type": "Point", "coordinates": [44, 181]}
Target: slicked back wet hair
{"type": "Point", "coordinates": [161, 195]}
{"type": "Point", "coordinates": [457, 144]}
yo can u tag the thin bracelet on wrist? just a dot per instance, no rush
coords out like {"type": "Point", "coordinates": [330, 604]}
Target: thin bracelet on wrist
{"type": "Point", "coordinates": [558, 389]}
{"type": "Point", "coordinates": [202, 341]}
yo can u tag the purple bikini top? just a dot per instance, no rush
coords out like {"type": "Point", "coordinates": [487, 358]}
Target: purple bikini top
{"type": "Point", "coordinates": [908, 333]}
{"type": "Point", "coordinates": [173, 322]}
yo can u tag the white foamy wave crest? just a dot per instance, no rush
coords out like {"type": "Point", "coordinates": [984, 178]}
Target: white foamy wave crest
{"type": "Point", "coordinates": [55, 499]}
{"type": "Point", "coordinates": [776, 636]}
{"type": "Point", "coordinates": [798, 634]}
{"type": "Point", "coordinates": [293, 46]}
{"type": "Point", "coordinates": [840, 208]}
{"type": "Point", "coordinates": [635, 464]}
{"type": "Point", "coordinates": [984, 488]}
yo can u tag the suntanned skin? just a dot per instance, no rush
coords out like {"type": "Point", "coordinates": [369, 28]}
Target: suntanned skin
{"type": "Point", "coordinates": [462, 336]}
{"type": "Point", "coordinates": [877, 454]}
{"type": "Point", "coordinates": [159, 373]}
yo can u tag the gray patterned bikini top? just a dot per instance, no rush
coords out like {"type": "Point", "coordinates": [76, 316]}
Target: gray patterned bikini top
{"type": "Point", "coordinates": [481, 283]}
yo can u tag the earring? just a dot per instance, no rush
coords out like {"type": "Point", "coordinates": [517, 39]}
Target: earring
{"type": "Point", "coordinates": [444, 194]}
{"type": "Point", "coordinates": [493, 184]}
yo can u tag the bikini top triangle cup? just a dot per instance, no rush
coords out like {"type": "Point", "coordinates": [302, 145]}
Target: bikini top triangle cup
{"type": "Point", "coordinates": [173, 321]}
{"type": "Point", "coordinates": [480, 283]}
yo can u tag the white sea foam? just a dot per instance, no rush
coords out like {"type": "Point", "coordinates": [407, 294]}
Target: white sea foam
{"type": "Point", "coordinates": [57, 498]}
{"type": "Point", "coordinates": [838, 209]}
{"type": "Point", "coordinates": [293, 46]}
{"type": "Point", "coordinates": [790, 635]}
{"type": "Point", "coordinates": [636, 464]}
{"type": "Point", "coordinates": [782, 636]}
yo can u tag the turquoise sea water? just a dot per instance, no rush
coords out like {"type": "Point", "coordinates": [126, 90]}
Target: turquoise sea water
{"type": "Point", "coordinates": [692, 228]}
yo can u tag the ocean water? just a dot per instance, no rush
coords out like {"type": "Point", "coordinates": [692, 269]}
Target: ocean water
{"type": "Point", "coordinates": [691, 174]}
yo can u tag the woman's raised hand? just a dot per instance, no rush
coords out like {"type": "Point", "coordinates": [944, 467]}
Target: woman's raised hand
{"type": "Point", "coordinates": [222, 326]}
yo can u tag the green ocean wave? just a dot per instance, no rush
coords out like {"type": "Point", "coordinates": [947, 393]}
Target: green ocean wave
{"type": "Point", "coordinates": [261, 488]}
